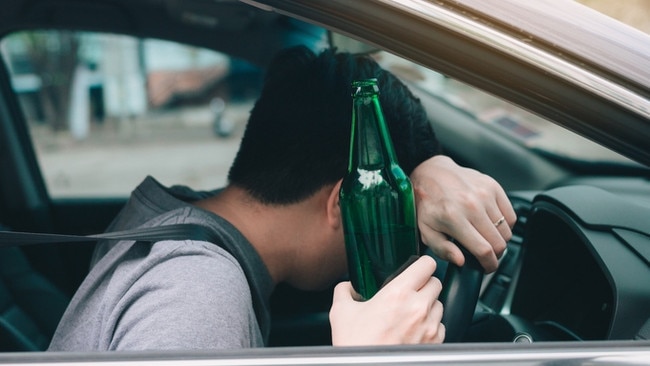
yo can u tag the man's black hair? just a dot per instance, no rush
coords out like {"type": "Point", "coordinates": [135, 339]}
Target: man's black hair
{"type": "Point", "coordinates": [298, 134]}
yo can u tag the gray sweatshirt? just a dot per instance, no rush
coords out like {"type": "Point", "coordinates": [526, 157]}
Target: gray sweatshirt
{"type": "Point", "coordinates": [171, 294]}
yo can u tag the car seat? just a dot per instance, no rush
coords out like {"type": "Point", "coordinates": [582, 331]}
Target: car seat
{"type": "Point", "coordinates": [30, 305]}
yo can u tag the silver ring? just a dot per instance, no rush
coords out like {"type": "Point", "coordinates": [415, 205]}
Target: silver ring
{"type": "Point", "coordinates": [499, 221]}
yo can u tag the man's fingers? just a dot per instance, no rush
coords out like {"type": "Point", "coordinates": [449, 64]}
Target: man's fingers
{"type": "Point", "coordinates": [500, 241]}
{"type": "Point", "coordinates": [493, 227]}
{"type": "Point", "coordinates": [416, 275]}
{"type": "Point", "coordinates": [441, 246]}
{"type": "Point", "coordinates": [479, 247]}
{"type": "Point", "coordinates": [505, 207]}
{"type": "Point", "coordinates": [434, 332]}
{"type": "Point", "coordinates": [505, 210]}
{"type": "Point", "coordinates": [440, 336]}
{"type": "Point", "coordinates": [470, 239]}
{"type": "Point", "coordinates": [431, 290]}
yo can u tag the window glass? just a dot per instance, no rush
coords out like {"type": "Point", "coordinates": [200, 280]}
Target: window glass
{"type": "Point", "coordinates": [522, 127]}
{"type": "Point", "coordinates": [493, 113]}
{"type": "Point", "coordinates": [104, 111]}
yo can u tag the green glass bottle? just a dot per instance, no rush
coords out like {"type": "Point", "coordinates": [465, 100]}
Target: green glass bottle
{"type": "Point", "coordinates": [376, 198]}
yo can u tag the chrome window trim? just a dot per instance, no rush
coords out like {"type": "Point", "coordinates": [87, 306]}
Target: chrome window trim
{"type": "Point", "coordinates": [520, 50]}
{"type": "Point", "coordinates": [604, 353]}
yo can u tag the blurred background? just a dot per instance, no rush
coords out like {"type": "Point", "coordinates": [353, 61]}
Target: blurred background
{"type": "Point", "coordinates": [103, 101]}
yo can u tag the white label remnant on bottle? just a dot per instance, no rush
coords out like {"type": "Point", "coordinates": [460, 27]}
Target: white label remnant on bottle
{"type": "Point", "coordinates": [369, 178]}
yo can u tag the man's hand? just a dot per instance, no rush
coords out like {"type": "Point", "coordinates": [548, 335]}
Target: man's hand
{"type": "Point", "coordinates": [463, 204]}
{"type": "Point", "coordinates": [405, 311]}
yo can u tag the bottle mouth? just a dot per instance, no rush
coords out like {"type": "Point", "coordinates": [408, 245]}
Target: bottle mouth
{"type": "Point", "coordinates": [365, 87]}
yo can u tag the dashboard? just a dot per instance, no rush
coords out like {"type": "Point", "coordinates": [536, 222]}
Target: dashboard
{"type": "Point", "coordinates": [577, 268]}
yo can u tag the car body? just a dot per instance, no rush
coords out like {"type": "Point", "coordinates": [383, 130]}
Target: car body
{"type": "Point", "coordinates": [570, 147]}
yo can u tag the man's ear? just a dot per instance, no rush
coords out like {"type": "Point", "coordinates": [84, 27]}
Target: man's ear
{"type": "Point", "coordinates": [333, 209]}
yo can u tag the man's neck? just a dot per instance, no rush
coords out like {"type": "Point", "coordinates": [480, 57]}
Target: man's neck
{"type": "Point", "coordinates": [277, 232]}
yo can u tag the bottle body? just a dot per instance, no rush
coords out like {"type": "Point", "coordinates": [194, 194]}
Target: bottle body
{"type": "Point", "coordinates": [376, 199]}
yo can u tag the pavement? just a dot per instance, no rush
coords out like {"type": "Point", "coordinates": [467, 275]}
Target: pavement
{"type": "Point", "coordinates": [177, 147]}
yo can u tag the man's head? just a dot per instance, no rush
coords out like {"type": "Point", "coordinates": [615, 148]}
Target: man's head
{"type": "Point", "coordinates": [298, 134]}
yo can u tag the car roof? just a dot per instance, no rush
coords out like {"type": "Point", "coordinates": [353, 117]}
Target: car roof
{"type": "Point", "coordinates": [228, 26]}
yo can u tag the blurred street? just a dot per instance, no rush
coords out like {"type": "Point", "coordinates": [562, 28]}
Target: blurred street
{"type": "Point", "coordinates": [182, 148]}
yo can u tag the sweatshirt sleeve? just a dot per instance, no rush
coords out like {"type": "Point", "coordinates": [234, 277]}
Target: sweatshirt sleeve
{"type": "Point", "coordinates": [184, 297]}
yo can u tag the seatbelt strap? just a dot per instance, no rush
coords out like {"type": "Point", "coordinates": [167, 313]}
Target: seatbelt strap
{"type": "Point", "coordinates": [149, 234]}
{"type": "Point", "coordinates": [185, 231]}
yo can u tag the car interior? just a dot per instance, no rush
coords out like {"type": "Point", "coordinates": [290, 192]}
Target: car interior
{"type": "Point", "coordinates": [576, 268]}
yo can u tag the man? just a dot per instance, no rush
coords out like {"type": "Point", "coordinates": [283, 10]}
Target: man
{"type": "Point", "coordinates": [278, 221]}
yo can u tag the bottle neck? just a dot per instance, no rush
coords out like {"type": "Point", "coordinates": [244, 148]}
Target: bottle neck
{"type": "Point", "coordinates": [371, 146]}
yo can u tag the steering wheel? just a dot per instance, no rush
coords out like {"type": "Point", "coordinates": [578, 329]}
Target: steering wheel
{"type": "Point", "coordinates": [460, 291]}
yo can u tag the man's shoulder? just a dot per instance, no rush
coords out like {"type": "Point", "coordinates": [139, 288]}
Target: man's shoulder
{"type": "Point", "coordinates": [190, 252]}
{"type": "Point", "coordinates": [202, 268]}
{"type": "Point", "coordinates": [150, 289]}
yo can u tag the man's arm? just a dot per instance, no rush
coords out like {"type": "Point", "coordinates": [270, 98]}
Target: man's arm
{"type": "Point", "coordinates": [463, 204]}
